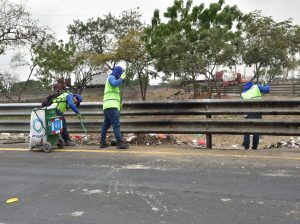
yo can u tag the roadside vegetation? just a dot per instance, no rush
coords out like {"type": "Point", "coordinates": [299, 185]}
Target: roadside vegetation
{"type": "Point", "coordinates": [180, 45]}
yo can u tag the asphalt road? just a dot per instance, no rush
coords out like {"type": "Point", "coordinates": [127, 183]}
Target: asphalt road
{"type": "Point", "coordinates": [149, 185]}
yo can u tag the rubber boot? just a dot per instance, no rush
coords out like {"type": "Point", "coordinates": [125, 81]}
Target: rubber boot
{"type": "Point", "coordinates": [122, 145]}
{"type": "Point", "coordinates": [103, 145]}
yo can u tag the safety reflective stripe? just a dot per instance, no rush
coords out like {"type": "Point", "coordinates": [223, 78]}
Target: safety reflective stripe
{"type": "Point", "coordinates": [61, 102]}
{"type": "Point", "coordinates": [111, 97]}
{"type": "Point", "coordinates": [252, 93]}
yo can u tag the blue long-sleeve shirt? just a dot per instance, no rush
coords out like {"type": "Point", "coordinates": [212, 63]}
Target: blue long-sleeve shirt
{"type": "Point", "coordinates": [262, 88]}
{"type": "Point", "coordinates": [114, 81]}
{"type": "Point", "coordinates": [71, 103]}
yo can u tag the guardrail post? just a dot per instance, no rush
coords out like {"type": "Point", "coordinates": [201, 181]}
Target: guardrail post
{"type": "Point", "coordinates": [293, 87]}
{"type": "Point", "coordinates": [208, 137]}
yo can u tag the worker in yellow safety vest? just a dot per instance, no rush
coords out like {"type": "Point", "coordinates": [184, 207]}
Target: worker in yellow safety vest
{"type": "Point", "coordinates": [251, 92]}
{"type": "Point", "coordinates": [62, 103]}
{"type": "Point", "coordinates": [112, 107]}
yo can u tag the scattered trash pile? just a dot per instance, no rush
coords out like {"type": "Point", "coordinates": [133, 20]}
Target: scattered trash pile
{"type": "Point", "coordinates": [144, 139]}
{"type": "Point", "coordinates": [132, 139]}
{"type": "Point", "coordinates": [83, 139]}
{"type": "Point", "coordinates": [291, 143]}
{"type": "Point", "coordinates": [150, 139]}
{"type": "Point", "coordinates": [7, 138]}
{"type": "Point", "coordinates": [166, 139]}
{"type": "Point", "coordinates": [194, 141]}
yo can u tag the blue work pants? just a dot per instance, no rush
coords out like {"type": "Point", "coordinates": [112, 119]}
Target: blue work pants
{"type": "Point", "coordinates": [255, 140]}
{"type": "Point", "coordinates": [111, 117]}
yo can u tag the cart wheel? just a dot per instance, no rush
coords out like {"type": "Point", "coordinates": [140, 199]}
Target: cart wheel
{"type": "Point", "coordinates": [47, 147]}
{"type": "Point", "coordinates": [61, 143]}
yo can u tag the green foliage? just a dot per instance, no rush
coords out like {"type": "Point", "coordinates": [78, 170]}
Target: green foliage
{"type": "Point", "coordinates": [98, 38]}
{"type": "Point", "coordinates": [31, 85]}
{"type": "Point", "coordinates": [57, 57]}
{"type": "Point", "coordinates": [97, 41]}
{"type": "Point", "coordinates": [132, 49]}
{"type": "Point", "coordinates": [16, 25]}
{"type": "Point", "coordinates": [45, 78]}
{"type": "Point", "coordinates": [270, 46]}
{"type": "Point", "coordinates": [7, 80]}
{"type": "Point", "coordinates": [25, 57]}
{"type": "Point", "coordinates": [194, 39]}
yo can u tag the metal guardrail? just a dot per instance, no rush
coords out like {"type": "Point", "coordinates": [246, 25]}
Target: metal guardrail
{"type": "Point", "coordinates": [283, 89]}
{"type": "Point", "coordinates": [172, 107]}
{"type": "Point", "coordinates": [174, 117]}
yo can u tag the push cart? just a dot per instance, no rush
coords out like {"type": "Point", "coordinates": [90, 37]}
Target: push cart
{"type": "Point", "coordinates": [45, 129]}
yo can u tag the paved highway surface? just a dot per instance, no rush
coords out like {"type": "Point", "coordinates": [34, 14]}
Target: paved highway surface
{"type": "Point", "coordinates": [149, 185]}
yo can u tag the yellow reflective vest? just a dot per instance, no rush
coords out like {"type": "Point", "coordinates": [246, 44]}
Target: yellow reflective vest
{"type": "Point", "coordinates": [252, 93]}
{"type": "Point", "coordinates": [112, 98]}
{"type": "Point", "coordinates": [61, 103]}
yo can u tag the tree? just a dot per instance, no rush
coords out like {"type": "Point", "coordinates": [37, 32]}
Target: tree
{"type": "Point", "coordinates": [7, 80]}
{"type": "Point", "coordinates": [194, 40]}
{"type": "Point", "coordinates": [268, 45]}
{"type": "Point", "coordinates": [56, 59]}
{"type": "Point", "coordinates": [97, 39]}
{"type": "Point", "coordinates": [44, 77]}
{"type": "Point", "coordinates": [132, 49]}
{"type": "Point", "coordinates": [84, 73]}
{"type": "Point", "coordinates": [16, 25]}
{"type": "Point", "coordinates": [32, 85]}
{"type": "Point", "coordinates": [25, 57]}
{"type": "Point", "coordinates": [19, 30]}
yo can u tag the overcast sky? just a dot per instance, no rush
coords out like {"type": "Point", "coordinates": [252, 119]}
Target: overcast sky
{"type": "Point", "coordinates": [58, 14]}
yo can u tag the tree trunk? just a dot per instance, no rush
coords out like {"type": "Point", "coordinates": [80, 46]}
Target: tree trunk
{"type": "Point", "coordinates": [141, 85]}
{"type": "Point", "coordinates": [22, 90]}
{"type": "Point", "coordinates": [145, 89]}
{"type": "Point", "coordinates": [195, 89]}
{"type": "Point", "coordinates": [218, 90]}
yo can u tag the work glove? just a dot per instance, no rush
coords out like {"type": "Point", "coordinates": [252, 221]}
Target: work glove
{"type": "Point", "coordinates": [123, 76]}
{"type": "Point", "coordinates": [79, 116]}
